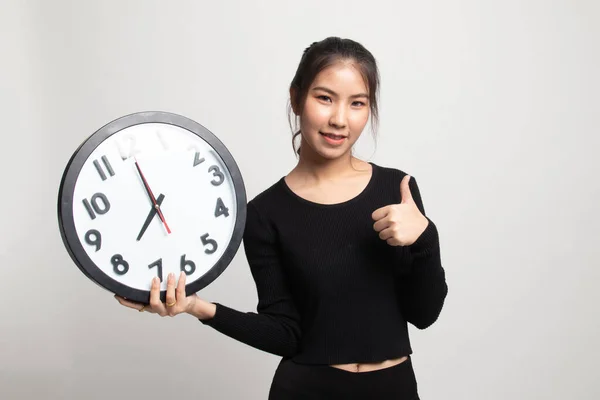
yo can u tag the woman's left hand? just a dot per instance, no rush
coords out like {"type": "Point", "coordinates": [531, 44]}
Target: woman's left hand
{"type": "Point", "coordinates": [176, 300]}
{"type": "Point", "coordinates": [400, 224]}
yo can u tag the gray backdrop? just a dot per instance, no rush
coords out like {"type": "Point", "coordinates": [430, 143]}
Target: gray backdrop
{"type": "Point", "coordinates": [491, 105]}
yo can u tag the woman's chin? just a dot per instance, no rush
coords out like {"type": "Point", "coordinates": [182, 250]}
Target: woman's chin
{"type": "Point", "coordinates": [325, 151]}
{"type": "Point", "coordinates": [332, 153]}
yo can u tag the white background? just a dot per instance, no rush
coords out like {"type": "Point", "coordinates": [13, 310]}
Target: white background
{"type": "Point", "coordinates": [491, 105]}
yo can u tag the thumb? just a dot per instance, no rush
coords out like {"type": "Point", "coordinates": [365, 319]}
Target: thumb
{"type": "Point", "coordinates": [405, 193]}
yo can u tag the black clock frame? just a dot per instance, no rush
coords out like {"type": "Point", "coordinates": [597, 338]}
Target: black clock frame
{"type": "Point", "coordinates": [67, 186]}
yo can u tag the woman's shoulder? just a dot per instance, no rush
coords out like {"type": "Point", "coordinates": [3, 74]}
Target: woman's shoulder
{"type": "Point", "coordinates": [389, 180]}
{"type": "Point", "coordinates": [269, 197]}
{"type": "Point", "coordinates": [389, 172]}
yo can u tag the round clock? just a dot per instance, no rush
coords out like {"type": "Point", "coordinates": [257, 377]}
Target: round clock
{"type": "Point", "coordinates": [148, 194]}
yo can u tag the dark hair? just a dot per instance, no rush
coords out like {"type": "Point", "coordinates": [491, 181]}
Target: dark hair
{"type": "Point", "coordinates": [323, 54]}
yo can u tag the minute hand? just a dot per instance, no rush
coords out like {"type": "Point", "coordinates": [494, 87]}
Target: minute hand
{"type": "Point", "coordinates": [149, 191]}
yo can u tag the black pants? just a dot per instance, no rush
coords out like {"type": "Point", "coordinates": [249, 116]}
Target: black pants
{"type": "Point", "coordinates": [294, 381]}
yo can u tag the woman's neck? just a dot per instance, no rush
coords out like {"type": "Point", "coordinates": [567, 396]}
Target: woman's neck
{"type": "Point", "coordinates": [318, 169]}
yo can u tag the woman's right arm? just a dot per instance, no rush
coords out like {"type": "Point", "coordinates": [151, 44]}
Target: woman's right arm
{"type": "Point", "coordinates": [275, 328]}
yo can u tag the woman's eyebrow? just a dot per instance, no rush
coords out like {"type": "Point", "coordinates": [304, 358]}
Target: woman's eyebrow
{"type": "Point", "coordinates": [327, 90]}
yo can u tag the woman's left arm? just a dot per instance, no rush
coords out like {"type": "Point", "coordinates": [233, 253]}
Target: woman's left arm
{"type": "Point", "coordinates": [422, 288]}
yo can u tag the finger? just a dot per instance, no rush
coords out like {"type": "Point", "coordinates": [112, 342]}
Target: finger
{"type": "Point", "coordinates": [387, 233]}
{"type": "Point", "coordinates": [380, 213]}
{"type": "Point", "coordinates": [128, 303]}
{"type": "Point", "coordinates": [405, 193]}
{"type": "Point", "coordinates": [155, 303]}
{"type": "Point", "coordinates": [171, 290]}
{"type": "Point", "coordinates": [393, 242]}
{"type": "Point", "coordinates": [382, 224]}
{"type": "Point", "coordinates": [180, 292]}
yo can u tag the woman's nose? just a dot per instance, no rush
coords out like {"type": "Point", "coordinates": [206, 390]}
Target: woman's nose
{"type": "Point", "coordinates": [338, 117]}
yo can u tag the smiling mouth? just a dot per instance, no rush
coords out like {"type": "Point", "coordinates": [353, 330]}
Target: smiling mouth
{"type": "Point", "coordinates": [332, 136]}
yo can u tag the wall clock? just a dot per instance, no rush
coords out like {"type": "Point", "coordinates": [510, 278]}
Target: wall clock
{"type": "Point", "coordinates": [148, 194]}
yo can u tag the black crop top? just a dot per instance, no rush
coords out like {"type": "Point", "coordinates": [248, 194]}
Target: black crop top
{"type": "Point", "coordinates": [330, 291]}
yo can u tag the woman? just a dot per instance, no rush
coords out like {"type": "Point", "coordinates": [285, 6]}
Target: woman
{"type": "Point", "coordinates": [340, 249]}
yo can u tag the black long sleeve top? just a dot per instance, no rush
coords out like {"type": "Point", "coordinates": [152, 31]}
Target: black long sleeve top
{"type": "Point", "coordinates": [330, 291]}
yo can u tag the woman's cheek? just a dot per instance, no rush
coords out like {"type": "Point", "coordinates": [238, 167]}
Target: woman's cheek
{"type": "Point", "coordinates": [359, 121]}
{"type": "Point", "coordinates": [320, 113]}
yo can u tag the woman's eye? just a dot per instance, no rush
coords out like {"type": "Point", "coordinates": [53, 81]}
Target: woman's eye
{"type": "Point", "coordinates": [359, 103]}
{"type": "Point", "coordinates": [323, 97]}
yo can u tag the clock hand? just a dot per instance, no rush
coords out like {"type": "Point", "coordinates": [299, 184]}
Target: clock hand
{"type": "Point", "coordinates": [151, 215]}
{"type": "Point", "coordinates": [149, 191]}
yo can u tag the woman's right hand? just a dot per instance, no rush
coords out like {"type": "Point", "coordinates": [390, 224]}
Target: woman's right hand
{"type": "Point", "coordinates": [176, 300]}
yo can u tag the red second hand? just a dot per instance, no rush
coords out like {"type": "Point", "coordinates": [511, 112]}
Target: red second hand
{"type": "Point", "coordinates": [162, 218]}
{"type": "Point", "coordinates": [147, 186]}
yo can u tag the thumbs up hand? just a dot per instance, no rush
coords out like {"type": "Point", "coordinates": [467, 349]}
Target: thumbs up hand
{"type": "Point", "coordinates": [400, 224]}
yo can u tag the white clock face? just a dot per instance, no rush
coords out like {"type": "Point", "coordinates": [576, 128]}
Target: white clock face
{"type": "Point", "coordinates": [117, 223]}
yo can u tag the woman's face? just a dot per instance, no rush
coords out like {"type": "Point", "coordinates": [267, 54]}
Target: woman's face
{"type": "Point", "coordinates": [335, 112]}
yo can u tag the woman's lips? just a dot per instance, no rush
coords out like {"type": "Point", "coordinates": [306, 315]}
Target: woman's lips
{"type": "Point", "coordinates": [333, 139]}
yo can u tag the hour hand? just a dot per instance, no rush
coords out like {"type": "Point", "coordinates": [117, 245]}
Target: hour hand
{"type": "Point", "coordinates": [151, 215]}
